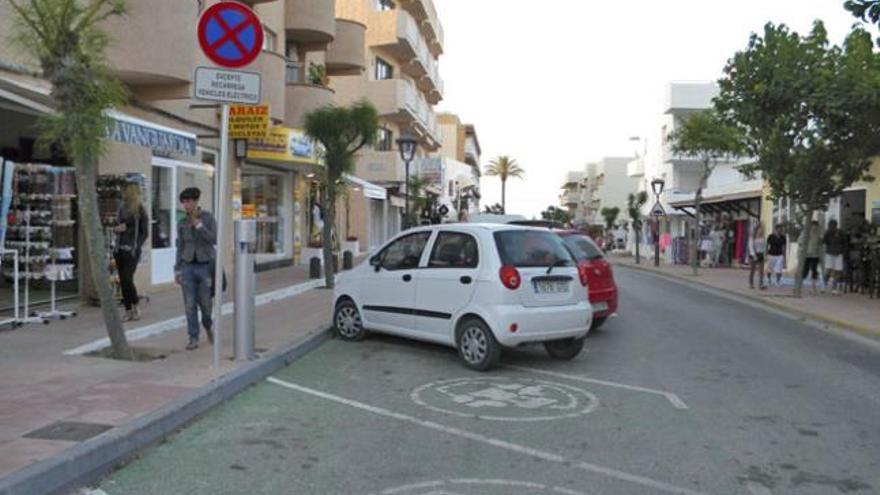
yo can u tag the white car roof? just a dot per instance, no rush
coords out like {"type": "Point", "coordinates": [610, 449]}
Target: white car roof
{"type": "Point", "coordinates": [492, 227]}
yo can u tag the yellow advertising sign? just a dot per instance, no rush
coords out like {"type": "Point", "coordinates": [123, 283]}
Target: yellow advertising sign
{"type": "Point", "coordinates": [248, 122]}
{"type": "Point", "coordinates": [282, 144]}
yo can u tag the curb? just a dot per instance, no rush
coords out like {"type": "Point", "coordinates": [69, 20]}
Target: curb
{"type": "Point", "coordinates": [797, 313]}
{"type": "Point", "coordinates": [89, 461]}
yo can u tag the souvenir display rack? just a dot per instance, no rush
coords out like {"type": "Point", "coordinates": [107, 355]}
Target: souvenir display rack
{"type": "Point", "coordinates": [42, 228]}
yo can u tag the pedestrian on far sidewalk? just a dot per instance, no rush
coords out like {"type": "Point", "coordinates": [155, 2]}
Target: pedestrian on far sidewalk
{"type": "Point", "coordinates": [196, 237]}
{"type": "Point", "coordinates": [756, 257]}
{"type": "Point", "coordinates": [814, 251]}
{"type": "Point", "coordinates": [836, 244]}
{"type": "Point", "coordinates": [132, 227]}
{"type": "Point", "coordinates": [776, 243]}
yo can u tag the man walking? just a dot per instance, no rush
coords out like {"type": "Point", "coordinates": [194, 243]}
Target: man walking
{"type": "Point", "coordinates": [776, 255]}
{"type": "Point", "coordinates": [835, 242]}
{"type": "Point", "coordinates": [196, 237]}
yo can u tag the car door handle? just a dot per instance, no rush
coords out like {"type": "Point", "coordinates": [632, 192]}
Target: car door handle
{"type": "Point", "coordinates": [465, 280]}
{"type": "Point", "coordinates": [407, 277]}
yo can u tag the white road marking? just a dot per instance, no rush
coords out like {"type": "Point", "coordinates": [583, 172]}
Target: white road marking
{"type": "Point", "coordinates": [672, 398]}
{"type": "Point", "coordinates": [414, 486]}
{"type": "Point", "coordinates": [758, 489]}
{"type": "Point", "coordinates": [578, 402]}
{"type": "Point", "coordinates": [168, 325]}
{"type": "Point", "coordinates": [477, 482]}
{"type": "Point", "coordinates": [494, 442]}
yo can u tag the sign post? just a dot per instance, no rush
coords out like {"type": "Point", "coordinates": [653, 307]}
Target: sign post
{"type": "Point", "coordinates": [231, 35]}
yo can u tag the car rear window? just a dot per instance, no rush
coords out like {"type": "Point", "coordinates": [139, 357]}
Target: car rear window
{"type": "Point", "coordinates": [531, 248]}
{"type": "Point", "coordinates": [583, 247]}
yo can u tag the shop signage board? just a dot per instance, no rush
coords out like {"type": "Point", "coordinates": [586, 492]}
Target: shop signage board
{"type": "Point", "coordinates": [230, 34]}
{"type": "Point", "coordinates": [248, 122]}
{"type": "Point", "coordinates": [227, 86]}
{"type": "Point", "coordinates": [283, 144]}
{"type": "Point", "coordinates": [657, 210]}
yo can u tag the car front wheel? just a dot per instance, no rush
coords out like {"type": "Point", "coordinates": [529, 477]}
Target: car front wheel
{"type": "Point", "coordinates": [347, 321]}
{"type": "Point", "coordinates": [477, 345]}
{"type": "Point", "coordinates": [565, 349]}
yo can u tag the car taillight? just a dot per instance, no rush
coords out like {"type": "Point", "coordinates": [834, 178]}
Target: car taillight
{"type": "Point", "coordinates": [583, 268]}
{"type": "Point", "coordinates": [509, 277]}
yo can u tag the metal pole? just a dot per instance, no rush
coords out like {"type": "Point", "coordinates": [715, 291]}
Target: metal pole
{"type": "Point", "coordinates": [406, 205]}
{"type": "Point", "coordinates": [245, 285]}
{"type": "Point", "coordinates": [221, 214]}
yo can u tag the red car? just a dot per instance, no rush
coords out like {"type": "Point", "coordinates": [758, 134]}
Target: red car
{"type": "Point", "coordinates": [600, 278]}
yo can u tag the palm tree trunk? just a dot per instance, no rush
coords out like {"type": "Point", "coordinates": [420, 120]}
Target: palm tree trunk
{"type": "Point", "coordinates": [503, 196]}
{"type": "Point", "coordinates": [638, 229]}
{"type": "Point", "coordinates": [97, 257]}
{"type": "Point", "coordinates": [327, 237]}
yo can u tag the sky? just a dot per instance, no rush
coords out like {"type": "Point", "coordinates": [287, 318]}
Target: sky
{"type": "Point", "coordinates": [557, 84]}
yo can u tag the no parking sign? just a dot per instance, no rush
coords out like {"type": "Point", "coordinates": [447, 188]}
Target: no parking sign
{"type": "Point", "coordinates": [230, 34]}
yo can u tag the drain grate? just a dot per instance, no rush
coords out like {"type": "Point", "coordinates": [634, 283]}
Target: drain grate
{"type": "Point", "coordinates": [68, 431]}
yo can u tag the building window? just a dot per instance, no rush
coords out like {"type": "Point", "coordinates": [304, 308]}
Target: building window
{"type": "Point", "coordinates": [270, 39]}
{"type": "Point", "coordinates": [383, 5]}
{"type": "Point", "coordinates": [384, 140]}
{"type": "Point", "coordinates": [384, 70]}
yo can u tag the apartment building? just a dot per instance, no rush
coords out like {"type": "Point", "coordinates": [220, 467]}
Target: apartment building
{"type": "Point", "coordinates": [455, 170]}
{"type": "Point", "coordinates": [730, 197]}
{"type": "Point", "coordinates": [165, 141]}
{"type": "Point", "coordinates": [575, 196]}
{"type": "Point", "coordinates": [403, 41]}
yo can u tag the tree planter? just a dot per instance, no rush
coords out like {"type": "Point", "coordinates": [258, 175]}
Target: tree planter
{"type": "Point", "coordinates": [353, 246]}
{"type": "Point", "coordinates": [308, 253]}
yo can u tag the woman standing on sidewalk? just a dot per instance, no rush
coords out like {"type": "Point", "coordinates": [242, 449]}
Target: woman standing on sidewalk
{"type": "Point", "coordinates": [814, 252]}
{"type": "Point", "coordinates": [132, 225]}
{"type": "Point", "coordinates": [756, 256]}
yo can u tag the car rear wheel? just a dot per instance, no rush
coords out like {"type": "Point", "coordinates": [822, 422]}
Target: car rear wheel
{"type": "Point", "coordinates": [565, 349]}
{"type": "Point", "coordinates": [477, 345]}
{"type": "Point", "coordinates": [347, 321]}
{"type": "Point", "coordinates": [598, 322]}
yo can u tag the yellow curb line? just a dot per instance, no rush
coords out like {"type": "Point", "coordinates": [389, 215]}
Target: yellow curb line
{"type": "Point", "coordinates": [866, 331]}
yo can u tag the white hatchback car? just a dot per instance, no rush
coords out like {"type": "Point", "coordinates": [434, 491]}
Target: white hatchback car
{"type": "Point", "coordinates": [476, 287]}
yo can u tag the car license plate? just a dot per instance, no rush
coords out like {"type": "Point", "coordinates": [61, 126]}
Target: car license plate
{"type": "Point", "coordinates": [600, 306]}
{"type": "Point", "coordinates": [550, 287]}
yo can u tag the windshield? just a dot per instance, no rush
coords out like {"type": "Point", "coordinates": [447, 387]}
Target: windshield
{"type": "Point", "coordinates": [532, 248]}
{"type": "Point", "coordinates": [583, 247]}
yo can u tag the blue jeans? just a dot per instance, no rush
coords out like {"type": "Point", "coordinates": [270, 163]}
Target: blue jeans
{"type": "Point", "coordinates": [197, 296]}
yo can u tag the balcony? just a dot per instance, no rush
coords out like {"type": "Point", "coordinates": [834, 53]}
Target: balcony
{"type": "Point", "coordinates": [302, 99]}
{"type": "Point", "coordinates": [380, 166]}
{"type": "Point", "coordinates": [636, 168]}
{"type": "Point", "coordinates": [431, 84]}
{"type": "Point", "coordinates": [571, 199]}
{"type": "Point", "coordinates": [426, 15]}
{"type": "Point", "coordinates": [397, 32]}
{"type": "Point", "coordinates": [310, 22]}
{"type": "Point", "coordinates": [683, 98]}
{"type": "Point", "coordinates": [272, 66]}
{"type": "Point", "coordinates": [393, 98]}
{"type": "Point", "coordinates": [574, 178]}
{"type": "Point", "coordinates": [170, 55]}
{"type": "Point", "coordinates": [347, 54]}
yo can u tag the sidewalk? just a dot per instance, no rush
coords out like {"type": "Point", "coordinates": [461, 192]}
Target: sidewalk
{"type": "Point", "coordinates": [852, 311]}
{"type": "Point", "coordinates": [41, 386]}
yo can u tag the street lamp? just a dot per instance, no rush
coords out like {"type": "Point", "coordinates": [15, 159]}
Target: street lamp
{"type": "Point", "coordinates": [657, 186]}
{"type": "Point", "coordinates": [407, 143]}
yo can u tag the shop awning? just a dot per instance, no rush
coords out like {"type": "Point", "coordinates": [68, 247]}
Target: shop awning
{"type": "Point", "coordinates": [370, 190]}
{"type": "Point", "coordinates": [749, 205]}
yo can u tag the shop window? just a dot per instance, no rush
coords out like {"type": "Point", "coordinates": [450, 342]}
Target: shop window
{"type": "Point", "coordinates": [384, 70]}
{"type": "Point", "coordinates": [383, 5]}
{"type": "Point", "coordinates": [262, 199]}
{"type": "Point", "coordinates": [384, 140]}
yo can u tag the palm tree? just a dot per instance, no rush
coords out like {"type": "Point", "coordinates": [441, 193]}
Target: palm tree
{"type": "Point", "coordinates": [65, 38]}
{"type": "Point", "coordinates": [504, 168]}
{"type": "Point", "coordinates": [342, 131]}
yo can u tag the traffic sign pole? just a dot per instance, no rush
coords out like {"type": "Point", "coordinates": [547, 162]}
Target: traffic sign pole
{"type": "Point", "coordinates": [221, 180]}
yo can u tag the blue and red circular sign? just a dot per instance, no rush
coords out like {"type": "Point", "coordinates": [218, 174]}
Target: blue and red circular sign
{"type": "Point", "coordinates": [230, 34]}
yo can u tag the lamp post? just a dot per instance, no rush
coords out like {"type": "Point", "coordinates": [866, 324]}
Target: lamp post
{"type": "Point", "coordinates": [406, 143]}
{"type": "Point", "coordinates": [657, 186]}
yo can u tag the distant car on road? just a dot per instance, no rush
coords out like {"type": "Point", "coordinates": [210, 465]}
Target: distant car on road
{"type": "Point", "coordinates": [476, 287]}
{"type": "Point", "coordinates": [600, 277]}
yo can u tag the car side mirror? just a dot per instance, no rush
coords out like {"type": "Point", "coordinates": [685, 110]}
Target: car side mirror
{"type": "Point", "coordinates": [376, 263]}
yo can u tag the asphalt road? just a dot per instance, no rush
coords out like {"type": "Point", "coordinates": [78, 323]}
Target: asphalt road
{"type": "Point", "coordinates": [686, 392]}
